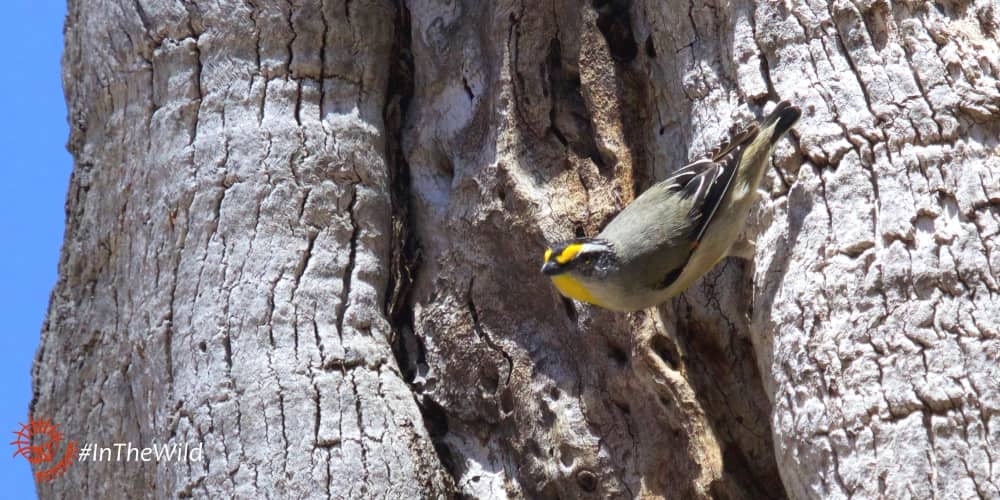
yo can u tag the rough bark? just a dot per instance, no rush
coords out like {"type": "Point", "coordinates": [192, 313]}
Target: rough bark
{"type": "Point", "coordinates": [307, 235]}
{"type": "Point", "coordinates": [226, 260]}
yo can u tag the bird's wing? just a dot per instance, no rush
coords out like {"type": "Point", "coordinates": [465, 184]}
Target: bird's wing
{"type": "Point", "coordinates": [706, 182]}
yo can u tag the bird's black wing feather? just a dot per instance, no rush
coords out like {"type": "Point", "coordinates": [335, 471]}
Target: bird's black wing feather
{"type": "Point", "coordinates": [706, 182]}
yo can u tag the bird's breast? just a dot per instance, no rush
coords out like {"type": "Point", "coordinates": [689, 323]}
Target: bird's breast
{"type": "Point", "coordinates": [572, 288]}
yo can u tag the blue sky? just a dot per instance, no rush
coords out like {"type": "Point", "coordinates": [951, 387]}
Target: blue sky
{"type": "Point", "coordinates": [36, 170]}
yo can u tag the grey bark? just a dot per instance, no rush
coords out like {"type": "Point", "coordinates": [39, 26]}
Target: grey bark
{"type": "Point", "coordinates": [307, 234]}
{"type": "Point", "coordinates": [226, 257]}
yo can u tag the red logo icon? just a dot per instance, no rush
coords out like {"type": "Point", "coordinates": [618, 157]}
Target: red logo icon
{"type": "Point", "coordinates": [39, 441]}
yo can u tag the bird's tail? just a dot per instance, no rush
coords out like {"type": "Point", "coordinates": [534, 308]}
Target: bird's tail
{"type": "Point", "coordinates": [744, 136]}
{"type": "Point", "coordinates": [779, 121]}
{"type": "Point", "coordinates": [755, 156]}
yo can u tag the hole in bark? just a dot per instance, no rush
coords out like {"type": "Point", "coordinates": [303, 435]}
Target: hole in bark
{"type": "Point", "coordinates": [650, 48]}
{"type": "Point", "coordinates": [617, 354]}
{"type": "Point", "coordinates": [555, 394]}
{"type": "Point", "coordinates": [665, 402]}
{"type": "Point", "coordinates": [446, 165]}
{"type": "Point", "coordinates": [664, 349]}
{"type": "Point", "coordinates": [624, 407]}
{"type": "Point", "coordinates": [468, 89]}
{"type": "Point", "coordinates": [533, 448]}
{"type": "Point", "coordinates": [587, 481]}
{"type": "Point", "coordinates": [202, 346]}
{"type": "Point", "coordinates": [567, 455]}
{"type": "Point", "coordinates": [579, 231]}
{"type": "Point", "coordinates": [599, 162]}
{"type": "Point", "coordinates": [570, 309]}
{"type": "Point", "coordinates": [506, 401]}
{"type": "Point", "coordinates": [435, 418]}
{"type": "Point", "coordinates": [616, 26]}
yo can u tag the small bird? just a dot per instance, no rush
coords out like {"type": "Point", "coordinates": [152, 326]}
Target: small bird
{"type": "Point", "coordinates": [677, 230]}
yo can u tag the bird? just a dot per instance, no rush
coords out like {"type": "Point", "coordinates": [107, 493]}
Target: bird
{"type": "Point", "coordinates": [675, 231]}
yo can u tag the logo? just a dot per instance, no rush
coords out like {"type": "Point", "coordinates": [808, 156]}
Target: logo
{"type": "Point", "coordinates": [39, 441]}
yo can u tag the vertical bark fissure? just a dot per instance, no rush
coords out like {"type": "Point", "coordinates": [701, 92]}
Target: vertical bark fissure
{"type": "Point", "coordinates": [289, 49]}
{"type": "Point", "coordinates": [322, 57]}
{"type": "Point", "coordinates": [362, 438]}
{"type": "Point", "coordinates": [345, 291]}
{"type": "Point", "coordinates": [404, 257]}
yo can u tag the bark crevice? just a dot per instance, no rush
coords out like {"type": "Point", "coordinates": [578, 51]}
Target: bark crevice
{"type": "Point", "coordinates": [405, 255]}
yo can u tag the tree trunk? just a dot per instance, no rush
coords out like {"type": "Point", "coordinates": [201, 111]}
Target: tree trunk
{"type": "Point", "coordinates": [305, 236]}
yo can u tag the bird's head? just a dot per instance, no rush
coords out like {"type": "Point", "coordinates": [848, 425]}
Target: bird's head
{"type": "Point", "coordinates": [579, 267]}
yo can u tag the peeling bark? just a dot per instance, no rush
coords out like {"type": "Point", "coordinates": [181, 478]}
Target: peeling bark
{"type": "Point", "coordinates": [305, 234]}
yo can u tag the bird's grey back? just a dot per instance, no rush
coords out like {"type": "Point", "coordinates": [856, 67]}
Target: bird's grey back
{"type": "Point", "coordinates": [641, 231]}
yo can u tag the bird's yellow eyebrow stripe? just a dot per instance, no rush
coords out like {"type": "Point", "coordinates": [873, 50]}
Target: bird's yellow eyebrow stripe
{"type": "Point", "coordinates": [548, 253]}
{"type": "Point", "coordinates": [569, 253]}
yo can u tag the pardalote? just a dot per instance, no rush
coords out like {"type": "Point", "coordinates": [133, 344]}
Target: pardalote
{"type": "Point", "coordinates": [677, 230]}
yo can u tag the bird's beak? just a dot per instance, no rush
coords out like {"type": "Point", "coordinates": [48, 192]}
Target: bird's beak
{"type": "Point", "coordinates": [551, 268]}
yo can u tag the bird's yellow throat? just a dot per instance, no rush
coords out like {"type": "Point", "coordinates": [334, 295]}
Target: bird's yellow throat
{"type": "Point", "coordinates": [572, 288]}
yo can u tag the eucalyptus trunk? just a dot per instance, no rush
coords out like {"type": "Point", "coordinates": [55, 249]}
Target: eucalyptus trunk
{"type": "Point", "coordinates": [305, 235]}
